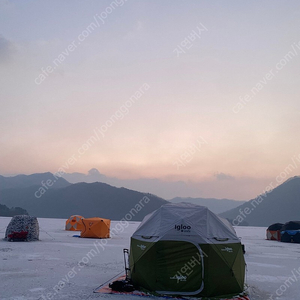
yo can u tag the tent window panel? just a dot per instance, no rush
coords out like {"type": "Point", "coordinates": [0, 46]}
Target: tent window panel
{"type": "Point", "coordinates": [178, 266]}
{"type": "Point", "coordinates": [224, 269]}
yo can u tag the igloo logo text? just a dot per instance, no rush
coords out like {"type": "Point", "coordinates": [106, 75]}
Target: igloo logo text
{"type": "Point", "coordinates": [183, 228]}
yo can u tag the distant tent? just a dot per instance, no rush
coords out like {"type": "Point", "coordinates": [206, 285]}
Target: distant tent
{"type": "Point", "coordinates": [74, 223]}
{"type": "Point", "coordinates": [292, 225]}
{"type": "Point", "coordinates": [273, 232]}
{"type": "Point", "coordinates": [22, 228]}
{"type": "Point", "coordinates": [95, 228]}
{"type": "Point", "coordinates": [290, 232]}
{"type": "Point", "coordinates": [185, 249]}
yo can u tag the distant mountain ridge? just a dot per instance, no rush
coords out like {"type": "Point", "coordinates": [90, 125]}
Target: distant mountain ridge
{"type": "Point", "coordinates": [215, 205]}
{"type": "Point", "coordinates": [63, 199]}
{"type": "Point", "coordinates": [280, 205]}
{"type": "Point", "coordinates": [87, 199]}
{"type": "Point", "coordinates": [162, 188]}
{"type": "Point", "coordinates": [10, 212]}
{"type": "Point", "coordinates": [23, 181]}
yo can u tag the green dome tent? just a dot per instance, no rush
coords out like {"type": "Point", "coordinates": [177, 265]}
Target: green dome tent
{"type": "Point", "coordinates": [185, 249]}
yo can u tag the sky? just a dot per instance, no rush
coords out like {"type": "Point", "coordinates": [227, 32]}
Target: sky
{"type": "Point", "coordinates": [201, 93]}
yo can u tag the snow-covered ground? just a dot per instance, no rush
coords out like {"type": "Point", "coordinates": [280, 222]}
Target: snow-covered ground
{"type": "Point", "coordinates": [61, 266]}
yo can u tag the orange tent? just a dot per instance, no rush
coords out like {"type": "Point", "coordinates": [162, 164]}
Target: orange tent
{"type": "Point", "coordinates": [74, 223]}
{"type": "Point", "coordinates": [95, 228]}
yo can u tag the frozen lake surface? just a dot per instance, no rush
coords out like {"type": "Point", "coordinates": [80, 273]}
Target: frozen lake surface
{"type": "Point", "coordinates": [61, 266]}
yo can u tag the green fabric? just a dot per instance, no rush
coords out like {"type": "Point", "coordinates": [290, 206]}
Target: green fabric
{"type": "Point", "coordinates": [142, 269]}
{"type": "Point", "coordinates": [166, 266]}
{"type": "Point", "coordinates": [224, 269]}
{"type": "Point", "coordinates": [171, 266]}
